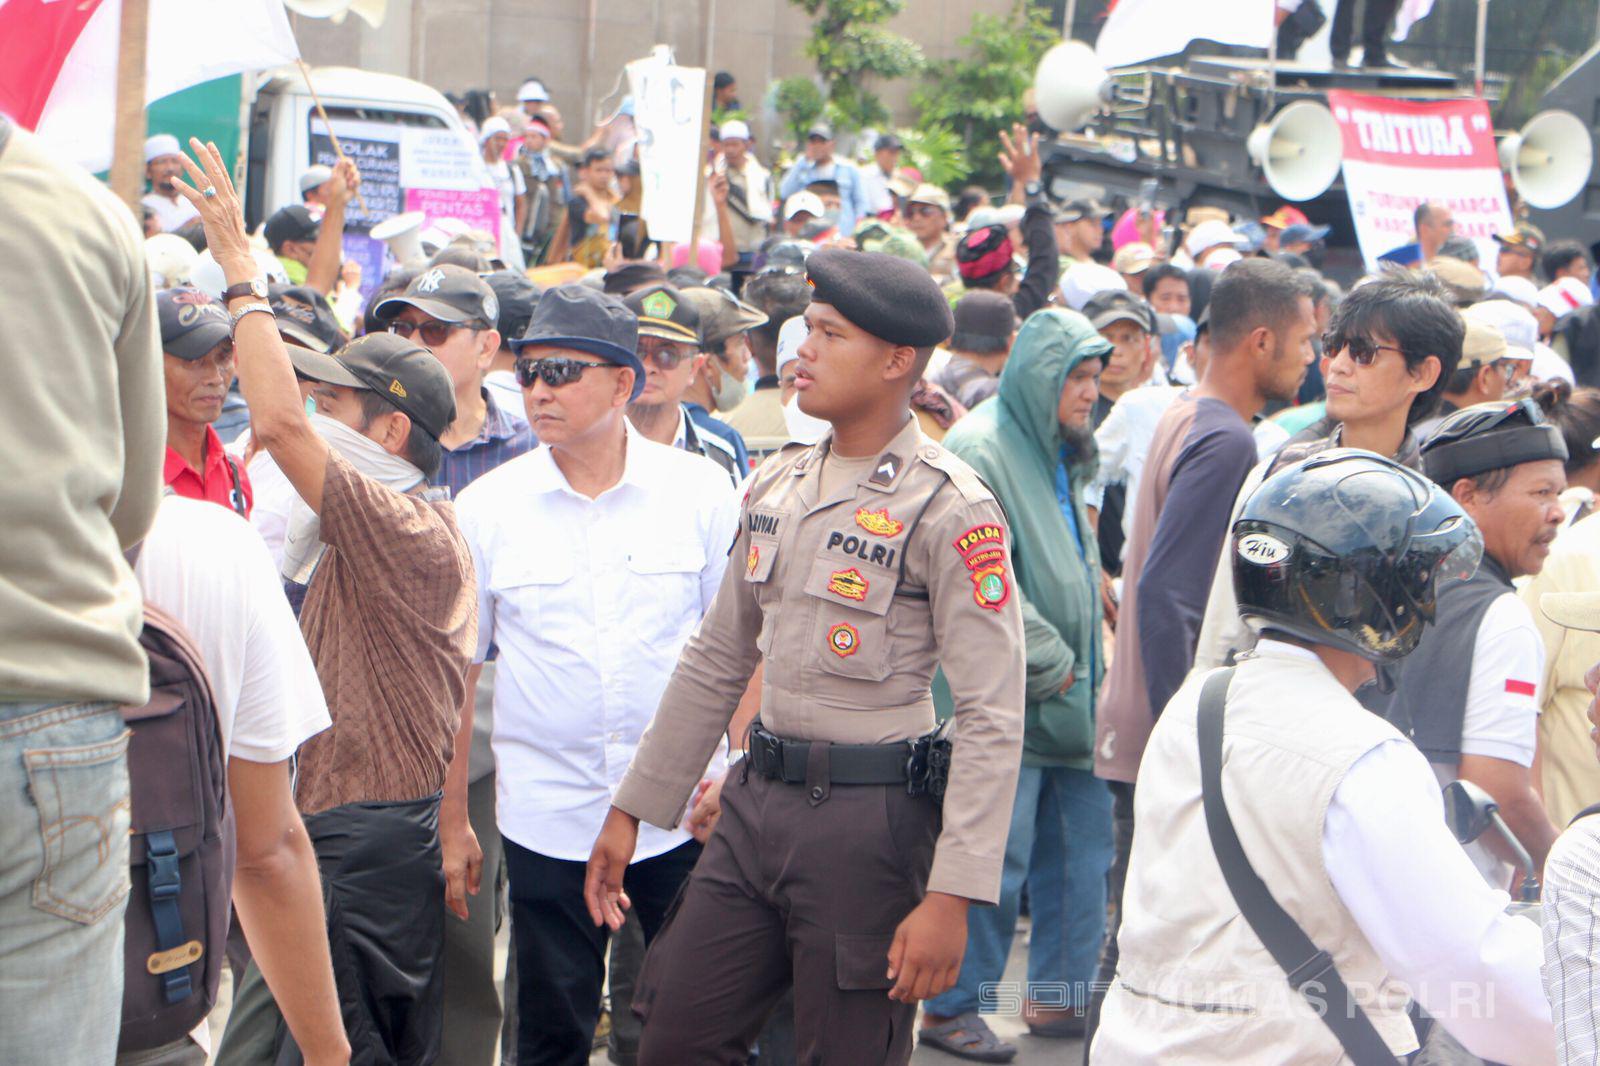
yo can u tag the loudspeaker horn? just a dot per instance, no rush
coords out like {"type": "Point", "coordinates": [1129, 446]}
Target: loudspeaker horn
{"type": "Point", "coordinates": [1550, 159]}
{"type": "Point", "coordinates": [403, 235]}
{"type": "Point", "coordinates": [1299, 150]}
{"type": "Point", "coordinates": [1070, 86]}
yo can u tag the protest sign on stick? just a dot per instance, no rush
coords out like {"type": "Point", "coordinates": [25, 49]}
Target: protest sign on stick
{"type": "Point", "coordinates": [668, 112]}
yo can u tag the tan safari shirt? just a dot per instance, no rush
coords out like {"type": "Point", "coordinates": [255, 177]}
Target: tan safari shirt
{"type": "Point", "coordinates": [852, 601]}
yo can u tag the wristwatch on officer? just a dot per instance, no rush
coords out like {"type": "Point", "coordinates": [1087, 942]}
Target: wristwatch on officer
{"type": "Point", "coordinates": [1032, 190]}
{"type": "Point", "coordinates": [256, 287]}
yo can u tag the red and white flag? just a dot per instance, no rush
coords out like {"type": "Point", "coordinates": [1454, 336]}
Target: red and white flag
{"type": "Point", "coordinates": [1140, 30]}
{"type": "Point", "coordinates": [58, 60]}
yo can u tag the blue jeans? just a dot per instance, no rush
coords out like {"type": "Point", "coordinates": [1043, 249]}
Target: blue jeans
{"type": "Point", "coordinates": [1060, 844]}
{"type": "Point", "coordinates": [63, 881]}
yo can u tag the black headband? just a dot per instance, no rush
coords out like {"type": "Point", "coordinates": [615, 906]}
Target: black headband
{"type": "Point", "coordinates": [1498, 450]}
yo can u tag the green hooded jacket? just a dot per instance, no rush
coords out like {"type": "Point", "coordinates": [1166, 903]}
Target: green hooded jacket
{"type": "Point", "coordinates": [1014, 442]}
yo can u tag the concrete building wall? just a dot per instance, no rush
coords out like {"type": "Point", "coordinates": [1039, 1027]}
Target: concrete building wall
{"type": "Point", "coordinates": [579, 47]}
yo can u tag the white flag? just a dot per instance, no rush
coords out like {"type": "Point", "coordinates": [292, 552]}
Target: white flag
{"type": "Point", "coordinates": [1140, 30]}
{"type": "Point", "coordinates": [1411, 12]}
{"type": "Point", "coordinates": [190, 42]}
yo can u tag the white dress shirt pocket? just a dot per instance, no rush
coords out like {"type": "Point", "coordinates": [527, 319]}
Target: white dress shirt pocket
{"type": "Point", "coordinates": [663, 587]}
{"type": "Point", "coordinates": [533, 591]}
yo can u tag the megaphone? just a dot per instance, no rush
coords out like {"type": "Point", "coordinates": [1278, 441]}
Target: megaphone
{"type": "Point", "coordinates": [1070, 86]}
{"type": "Point", "coordinates": [403, 235]}
{"type": "Point", "coordinates": [1299, 150]}
{"type": "Point", "coordinates": [1550, 160]}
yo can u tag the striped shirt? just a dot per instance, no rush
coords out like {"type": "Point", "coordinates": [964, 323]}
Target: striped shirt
{"type": "Point", "coordinates": [1572, 940]}
{"type": "Point", "coordinates": [503, 437]}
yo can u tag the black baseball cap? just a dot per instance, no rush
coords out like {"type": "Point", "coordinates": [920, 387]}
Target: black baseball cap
{"type": "Point", "coordinates": [305, 318]}
{"type": "Point", "coordinates": [292, 223]}
{"type": "Point", "coordinates": [448, 293]}
{"type": "Point", "coordinates": [518, 297]}
{"type": "Point", "coordinates": [192, 322]}
{"type": "Point", "coordinates": [664, 313]}
{"type": "Point", "coordinates": [401, 371]}
{"type": "Point", "coordinates": [887, 140]}
{"type": "Point", "coordinates": [1119, 306]}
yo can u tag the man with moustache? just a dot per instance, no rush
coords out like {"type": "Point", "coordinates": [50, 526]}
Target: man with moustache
{"type": "Point", "coordinates": [197, 357]}
{"type": "Point", "coordinates": [1466, 696]}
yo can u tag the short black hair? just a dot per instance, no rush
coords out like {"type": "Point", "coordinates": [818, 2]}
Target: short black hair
{"type": "Point", "coordinates": [393, 283]}
{"type": "Point", "coordinates": [1157, 274]}
{"type": "Point", "coordinates": [722, 80]}
{"type": "Point", "coordinates": [593, 156]}
{"type": "Point", "coordinates": [423, 449]}
{"type": "Point", "coordinates": [1462, 379]}
{"type": "Point", "coordinates": [1559, 255]}
{"type": "Point", "coordinates": [1253, 293]}
{"type": "Point", "coordinates": [971, 198]}
{"type": "Point", "coordinates": [1413, 309]}
{"type": "Point", "coordinates": [1421, 215]}
{"type": "Point", "coordinates": [780, 297]}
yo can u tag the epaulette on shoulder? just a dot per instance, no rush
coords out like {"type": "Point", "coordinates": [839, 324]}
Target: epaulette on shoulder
{"type": "Point", "coordinates": [967, 481]}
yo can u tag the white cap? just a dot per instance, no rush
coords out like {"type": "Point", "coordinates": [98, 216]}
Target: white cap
{"type": "Point", "coordinates": [159, 145]}
{"type": "Point", "coordinates": [1516, 324]}
{"type": "Point", "coordinates": [315, 177]}
{"type": "Point", "coordinates": [1083, 281]}
{"type": "Point", "coordinates": [803, 428]}
{"type": "Point", "coordinates": [790, 336]}
{"type": "Point", "coordinates": [1006, 215]}
{"type": "Point", "coordinates": [734, 130]}
{"type": "Point", "coordinates": [1565, 296]}
{"type": "Point", "coordinates": [804, 200]}
{"type": "Point", "coordinates": [1221, 259]}
{"type": "Point", "coordinates": [1522, 290]}
{"type": "Point", "coordinates": [1209, 234]}
{"type": "Point", "coordinates": [533, 92]}
{"type": "Point", "coordinates": [170, 258]}
{"type": "Point", "coordinates": [206, 274]}
{"type": "Point", "coordinates": [1548, 366]}
{"type": "Point", "coordinates": [493, 126]}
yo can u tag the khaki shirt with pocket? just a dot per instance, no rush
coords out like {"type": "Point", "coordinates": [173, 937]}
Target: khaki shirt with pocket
{"type": "Point", "coordinates": [852, 599]}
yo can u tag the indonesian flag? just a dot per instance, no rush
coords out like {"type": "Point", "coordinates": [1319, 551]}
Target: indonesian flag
{"type": "Point", "coordinates": [1141, 30]}
{"type": "Point", "coordinates": [58, 60]}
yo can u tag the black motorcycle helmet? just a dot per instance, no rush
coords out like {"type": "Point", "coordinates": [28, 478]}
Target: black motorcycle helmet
{"type": "Point", "coordinates": [1490, 436]}
{"type": "Point", "coordinates": [1345, 549]}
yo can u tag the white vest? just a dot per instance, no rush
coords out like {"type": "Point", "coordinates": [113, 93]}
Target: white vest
{"type": "Point", "coordinates": [1195, 985]}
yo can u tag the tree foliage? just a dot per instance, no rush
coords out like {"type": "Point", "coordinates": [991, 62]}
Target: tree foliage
{"type": "Point", "coordinates": [938, 152]}
{"type": "Point", "coordinates": [852, 50]}
{"type": "Point", "coordinates": [979, 92]}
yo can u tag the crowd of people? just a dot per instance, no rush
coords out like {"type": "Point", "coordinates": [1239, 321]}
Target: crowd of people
{"type": "Point", "coordinates": [574, 581]}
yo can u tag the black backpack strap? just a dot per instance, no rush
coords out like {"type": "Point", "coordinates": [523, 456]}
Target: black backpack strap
{"type": "Point", "coordinates": [1310, 970]}
{"type": "Point", "coordinates": [236, 495]}
{"type": "Point", "coordinates": [171, 961]}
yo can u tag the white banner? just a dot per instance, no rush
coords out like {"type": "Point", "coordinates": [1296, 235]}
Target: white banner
{"type": "Point", "coordinates": [1140, 30]}
{"type": "Point", "coordinates": [1401, 153]}
{"type": "Point", "coordinates": [667, 102]}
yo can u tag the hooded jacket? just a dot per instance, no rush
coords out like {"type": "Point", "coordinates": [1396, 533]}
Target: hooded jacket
{"type": "Point", "coordinates": [1014, 442]}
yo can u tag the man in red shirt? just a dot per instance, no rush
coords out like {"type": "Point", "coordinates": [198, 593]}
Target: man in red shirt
{"type": "Point", "coordinates": [197, 347]}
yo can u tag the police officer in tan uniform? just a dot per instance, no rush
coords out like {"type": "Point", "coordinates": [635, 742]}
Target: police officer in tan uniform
{"type": "Point", "coordinates": [864, 561]}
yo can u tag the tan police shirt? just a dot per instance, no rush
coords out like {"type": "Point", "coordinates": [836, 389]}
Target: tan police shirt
{"type": "Point", "coordinates": [852, 599]}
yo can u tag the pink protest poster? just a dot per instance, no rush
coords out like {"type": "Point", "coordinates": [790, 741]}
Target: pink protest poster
{"type": "Point", "coordinates": [479, 208]}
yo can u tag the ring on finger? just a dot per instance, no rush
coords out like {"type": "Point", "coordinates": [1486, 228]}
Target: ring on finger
{"type": "Point", "coordinates": [209, 192]}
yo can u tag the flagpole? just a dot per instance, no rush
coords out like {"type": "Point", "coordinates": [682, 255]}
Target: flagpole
{"type": "Point", "coordinates": [333, 138]}
{"type": "Point", "coordinates": [127, 143]}
{"type": "Point", "coordinates": [1483, 33]}
{"type": "Point", "coordinates": [1068, 17]}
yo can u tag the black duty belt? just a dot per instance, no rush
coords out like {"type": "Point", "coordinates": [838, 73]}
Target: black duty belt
{"type": "Point", "coordinates": [922, 764]}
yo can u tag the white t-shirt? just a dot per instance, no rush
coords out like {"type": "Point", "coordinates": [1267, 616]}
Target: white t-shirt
{"type": "Point", "coordinates": [207, 568]}
{"type": "Point", "coordinates": [1501, 720]}
{"type": "Point", "coordinates": [508, 182]}
{"type": "Point", "coordinates": [171, 215]}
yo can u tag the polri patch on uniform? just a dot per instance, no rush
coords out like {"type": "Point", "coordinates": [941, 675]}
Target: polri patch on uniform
{"type": "Point", "coordinates": [878, 522]}
{"type": "Point", "coordinates": [753, 559]}
{"type": "Point", "coordinates": [990, 588]}
{"type": "Point", "coordinates": [844, 640]}
{"type": "Point", "coordinates": [888, 467]}
{"type": "Point", "coordinates": [849, 584]}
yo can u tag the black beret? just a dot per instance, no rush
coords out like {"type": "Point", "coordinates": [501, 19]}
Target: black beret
{"type": "Point", "coordinates": [891, 298]}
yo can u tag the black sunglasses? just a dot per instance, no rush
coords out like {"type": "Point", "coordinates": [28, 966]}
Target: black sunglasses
{"type": "Point", "coordinates": [555, 371]}
{"type": "Point", "coordinates": [1362, 351]}
{"type": "Point", "coordinates": [432, 332]}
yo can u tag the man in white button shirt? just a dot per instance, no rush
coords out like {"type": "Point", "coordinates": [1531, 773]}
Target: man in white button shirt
{"type": "Point", "coordinates": [596, 556]}
{"type": "Point", "coordinates": [1336, 560]}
